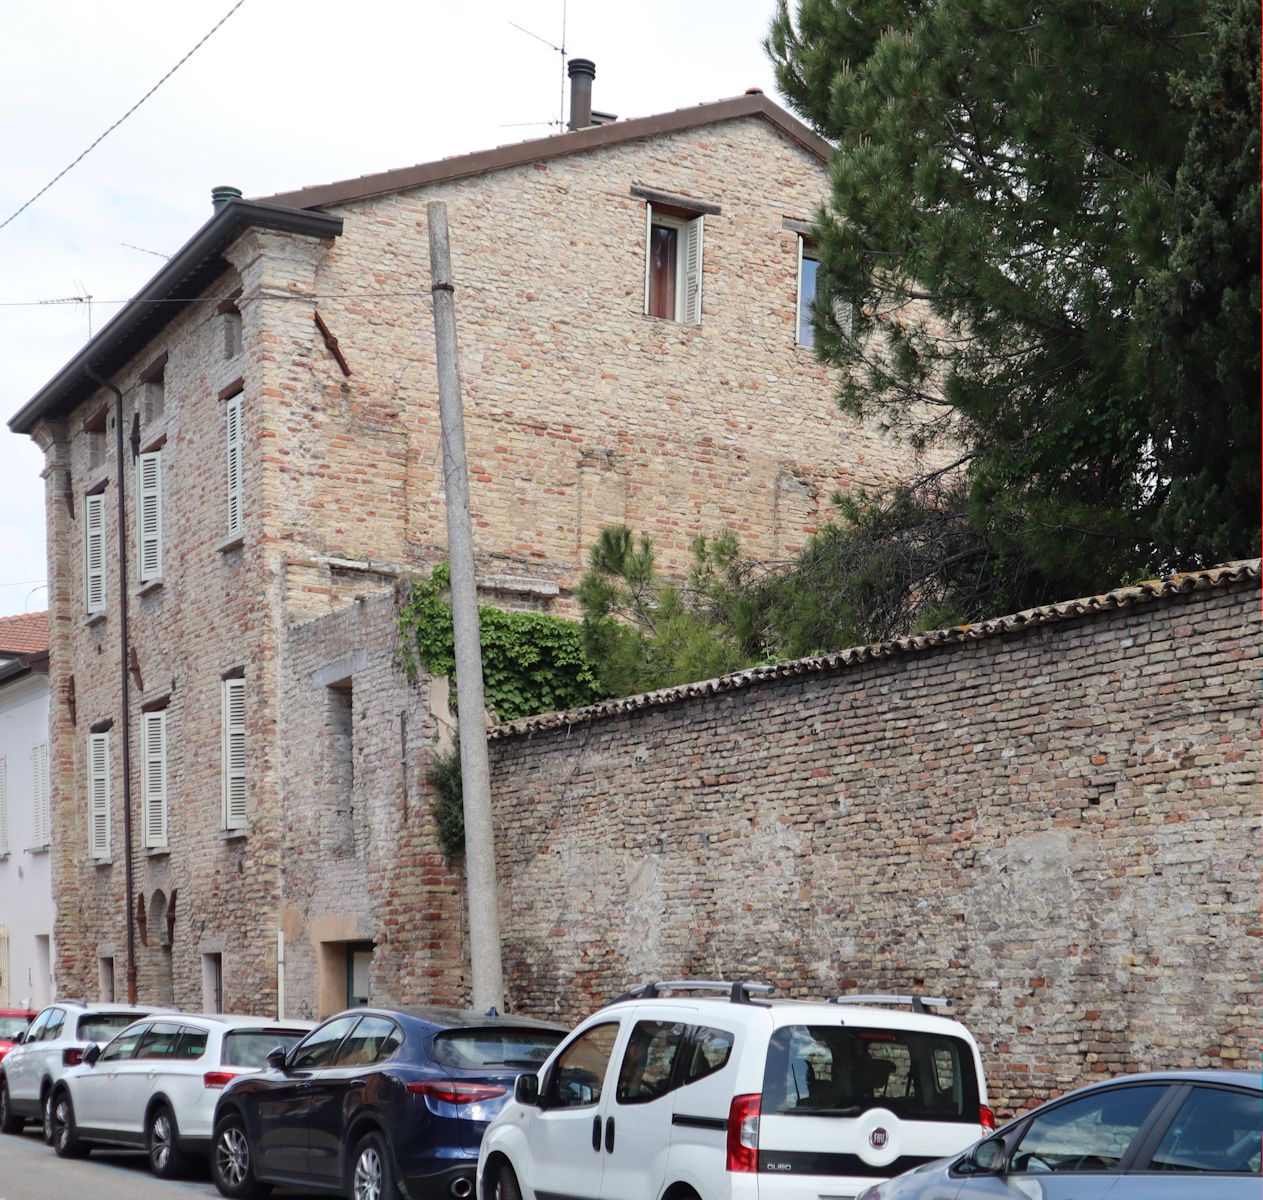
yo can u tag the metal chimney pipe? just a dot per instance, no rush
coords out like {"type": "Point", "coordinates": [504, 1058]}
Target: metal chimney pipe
{"type": "Point", "coordinates": [220, 196]}
{"type": "Point", "coordinates": [582, 72]}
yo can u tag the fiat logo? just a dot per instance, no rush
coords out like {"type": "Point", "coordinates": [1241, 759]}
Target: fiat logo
{"type": "Point", "coordinates": [878, 1138]}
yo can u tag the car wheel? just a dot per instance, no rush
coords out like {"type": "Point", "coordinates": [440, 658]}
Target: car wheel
{"type": "Point", "coordinates": [65, 1136]}
{"type": "Point", "coordinates": [10, 1122]}
{"type": "Point", "coordinates": [46, 1107]}
{"type": "Point", "coordinates": [372, 1171]}
{"type": "Point", "coordinates": [162, 1143]}
{"type": "Point", "coordinates": [506, 1187]}
{"type": "Point", "coordinates": [232, 1167]}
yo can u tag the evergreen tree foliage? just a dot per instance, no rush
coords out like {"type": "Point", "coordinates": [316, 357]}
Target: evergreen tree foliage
{"type": "Point", "coordinates": [1029, 200]}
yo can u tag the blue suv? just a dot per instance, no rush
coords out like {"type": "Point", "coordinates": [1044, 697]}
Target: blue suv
{"type": "Point", "coordinates": [373, 1099]}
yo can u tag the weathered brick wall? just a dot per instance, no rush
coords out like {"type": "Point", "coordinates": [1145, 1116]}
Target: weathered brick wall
{"type": "Point", "coordinates": [1057, 828]}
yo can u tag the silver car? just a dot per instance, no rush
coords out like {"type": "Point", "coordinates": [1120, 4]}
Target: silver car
{"type": "Point", "coordinates": [1171, 1135]}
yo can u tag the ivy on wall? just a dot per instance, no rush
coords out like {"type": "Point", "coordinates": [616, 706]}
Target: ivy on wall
{"type": "Point", "coordinates": [531, 663]}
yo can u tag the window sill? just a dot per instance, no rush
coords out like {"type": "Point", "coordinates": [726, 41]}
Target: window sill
{"type": "Point", "coordinates": [233, 835]}
{"type": "Point", "coordinates": [38, 849]}
{"type": "Point", "coordinates": [102, 862]}
{"type": "Point", "coordinates": [233, 542]}
{"type": "Point", "coordinates": [153, 585]}
{"type": "Point", "coordinates": [93, 619]}
{"type": "Point", "coordinates": [157, 852]}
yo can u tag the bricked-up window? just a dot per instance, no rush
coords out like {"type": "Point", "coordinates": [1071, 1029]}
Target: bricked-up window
{"type": "Point", "coordinates": [673, 265]}
{"type": "Point", "coordinates": [94, 553]}
{"type": "Point", "coordinates": [99, 795]}
{"type": "Point", "coordinates": [153, 399]}
{"type": "Point", "coordinates": [94, 429]}
{"type": "Point", "coordinates": [233, 451]}
{"type": "Point", "coordinates": [4, 807]}
{"type": "Point", "coordinates": [154, 779]}
{"type": "Point", "coordinates": [149, 514]}
{"type": "Point", "coordinates": [808, 264]}
{"type": "Point", "coordinates": [341, 741]}
{"type": "Point", "coordinates": [233, 767]}
{"type": "Point", "coordinates": [42, 832]}
{"type": "Point", "coordinates": [105, 971]}
{"type": "Point", "coordinates": [213, 982]}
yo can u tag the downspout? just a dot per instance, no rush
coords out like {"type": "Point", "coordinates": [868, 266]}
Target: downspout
{"type": "Point", "coordinates": [122, 665]}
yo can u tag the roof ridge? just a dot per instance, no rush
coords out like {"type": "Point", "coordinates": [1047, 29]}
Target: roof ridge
{"type": "Point", "coordinates": [1145, 592]}
{"type": "Point", "coordinates": [554, 145]}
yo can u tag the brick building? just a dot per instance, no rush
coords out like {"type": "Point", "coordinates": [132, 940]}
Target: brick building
{"type": "Point", "coordinates": [249, 451]}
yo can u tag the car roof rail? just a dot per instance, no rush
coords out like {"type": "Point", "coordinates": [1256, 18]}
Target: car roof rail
{"type": "Point", "coordinates": [919, 1003]}
{"type": "Point", "coordinates": [739, 991]}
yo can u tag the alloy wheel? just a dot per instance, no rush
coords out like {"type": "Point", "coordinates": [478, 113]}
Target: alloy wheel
{"type": "Point", "coordinates": [232, 1156]}
{"type": "Point", "coordinates": [160, 1142]}
{"type": "Point", "coordinates": [367, 1184]}
{"type": "Point", "coordinates": [61, 1121]}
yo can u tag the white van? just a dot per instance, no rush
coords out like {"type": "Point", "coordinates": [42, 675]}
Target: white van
{"type": "Point", "coordinates": [669, 1094]}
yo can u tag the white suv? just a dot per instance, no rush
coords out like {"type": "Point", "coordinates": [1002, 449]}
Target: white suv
{"type": "Point", "coordinates": [53, 1044]}
{"type": "Point", "coordinates": [741, 1098]}
{"type": "Point", "coordinates": [155, 1086]}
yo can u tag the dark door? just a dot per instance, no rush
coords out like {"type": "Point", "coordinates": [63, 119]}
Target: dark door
{"type": "Point", "coordinates": [284, 1101]}
{"type": "Point", "coordinates": [343, 1088]}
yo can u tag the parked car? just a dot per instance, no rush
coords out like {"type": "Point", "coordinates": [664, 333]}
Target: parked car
{"type": "Point", "coordinates": [694, 1097]}
{"type": "Point", "coordinates": [372, 1097]}
{"type": "Point", "coordinates": [14, 1022]}
{"type": "Point", "coordinates": [1173, 1135]}
{"type": "Point", "coordinates": [55, 1042]}
{"type": "Point", "coordinates": [155, 1085]}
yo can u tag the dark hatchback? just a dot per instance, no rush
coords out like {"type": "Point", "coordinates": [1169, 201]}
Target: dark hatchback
{"type": "Point", "coordinates": [375, 1099]}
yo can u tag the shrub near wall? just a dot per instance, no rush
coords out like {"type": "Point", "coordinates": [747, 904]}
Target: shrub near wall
{"type": "Point", "coordinates": [1051, 819]}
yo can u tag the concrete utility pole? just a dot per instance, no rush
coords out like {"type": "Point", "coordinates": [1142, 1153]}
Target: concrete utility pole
{"type": "Point", "coordinates": [480, 850]}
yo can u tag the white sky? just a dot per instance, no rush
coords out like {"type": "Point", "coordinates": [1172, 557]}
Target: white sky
{"type": "Point", "coordinates": [286, 93]}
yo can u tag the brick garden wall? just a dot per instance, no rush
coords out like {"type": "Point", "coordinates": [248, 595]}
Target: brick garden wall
{"type": "Point", "coordinates": [1057, 828]}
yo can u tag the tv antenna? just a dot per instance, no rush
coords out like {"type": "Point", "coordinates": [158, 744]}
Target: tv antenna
{"type": "Point", "coordinates": [561, 50]}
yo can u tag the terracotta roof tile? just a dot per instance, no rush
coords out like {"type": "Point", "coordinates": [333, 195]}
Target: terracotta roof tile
{"type": "Point", "coordinates": [1149, 592]}
{"type": "Point", "coordinates": [26, 634]}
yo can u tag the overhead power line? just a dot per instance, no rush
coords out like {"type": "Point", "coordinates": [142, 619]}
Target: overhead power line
{"type": "Point", "coordinates": [128, 113]}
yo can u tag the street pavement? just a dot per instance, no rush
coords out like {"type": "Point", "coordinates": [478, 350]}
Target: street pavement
{"type": "Point", "coordinates": [29, 1170]}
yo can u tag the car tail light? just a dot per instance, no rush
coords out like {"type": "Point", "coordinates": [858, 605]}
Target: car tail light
{"type": "Point", "coordinates": [743, 1133]}
{"type": "Point", "coordinates": [71, 1056]}
{"type": "Point", "coordinates": [458, 1093]}
{"type": "Point", "coordinates": [986, 1118]}
{"type": "Point", "coordinates": [218, 1079]}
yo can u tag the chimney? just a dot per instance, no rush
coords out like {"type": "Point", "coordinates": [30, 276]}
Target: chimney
{"type": "Point", "coordinates": [220, 196]}
{"type": "Point", "coordinates": [582, 72]}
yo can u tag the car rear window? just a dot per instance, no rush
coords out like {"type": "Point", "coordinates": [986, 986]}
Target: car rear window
{"type": "Point", "coordinates": [251, 1047]}
{"type": "Point", "coordinates": [471, 1049]}
{"type": "Point", "coordinates": [841, 1071]}
{"type": "Point", "coordinates": [100, 1027]}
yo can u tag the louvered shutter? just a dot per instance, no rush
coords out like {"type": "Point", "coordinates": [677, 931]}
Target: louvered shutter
{"type": "Point", "coordinates": [155, 779]}
{"type": "Point", "coordinates": [99, 795]}
{"type": "Point", "coordinates": [234, 755]}
{"type": "Point", "coordinates": [4, 806]}
{"type": "Point", "coordinates": [648, 250]}
{"type": "Point", "coordinates": [692, 314]}
{"type": "Point", "coordinates": [149, 514]}
{"type": "Point", "coordinates": [94, 553]}
{"type": "Point", "coordinates": [39, 771]}
{"type": "Point", "coordinates": [232, 424]}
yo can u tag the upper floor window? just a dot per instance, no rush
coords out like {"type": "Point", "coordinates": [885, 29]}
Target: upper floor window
{"type": "Point", "coordinates": [42, 827]}
{"type": "Point", "coordinates": [149, 514]}
{"type": "Point", "coordinates": [94, 553]}
{"type": "Point", "coordinates": [99, 795]}
{"type": "Point", "coordinates": [233, 760]}
{"type": "Point", "coordinates": [233, 445]}
{"type": "Point", "coordinates": [673, 265]}
{"type": "Point", "coordinates": [4, 808]}
{"type": "Point", "coordinates": [808, 264]}
{"type": "Point", "coordinates": [154, 779]}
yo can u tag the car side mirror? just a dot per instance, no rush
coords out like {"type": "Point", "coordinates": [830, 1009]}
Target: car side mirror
{"type": "Point", "coordinates": [526, 1090]}
{"type": "Point", "coordinates": [276, 1058]}
{"type": "Point", "coordinates": [989, 1157]}
{"type": "Point", "coordinates": [19, 1038]}
{"type": "Point", "coordinates": [91, 1054]}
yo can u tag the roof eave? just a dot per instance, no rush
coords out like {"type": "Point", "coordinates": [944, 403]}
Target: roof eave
{"type": "Point", "coordinates": [205, 245]}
